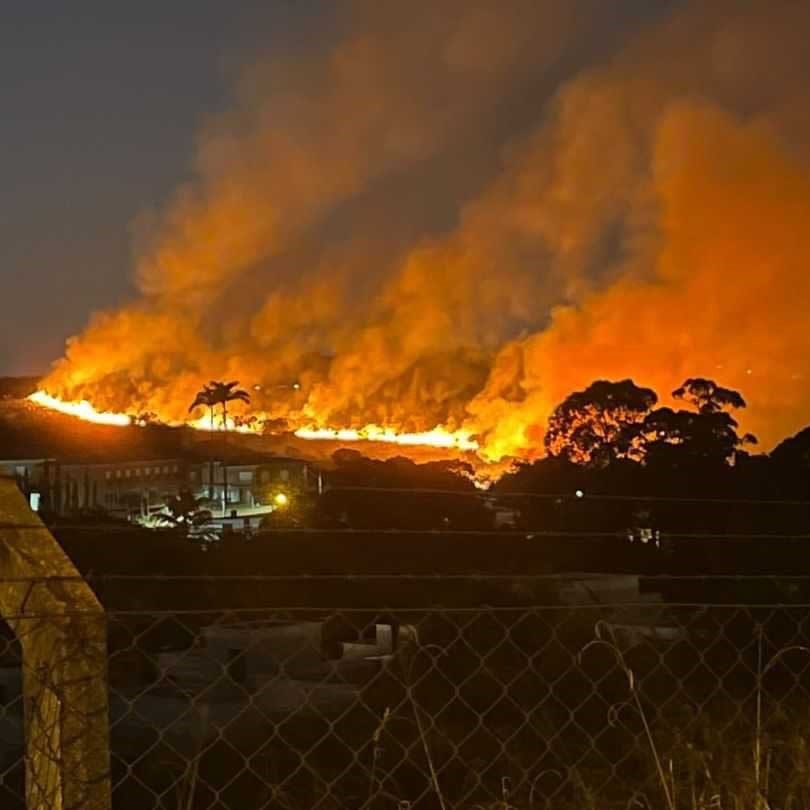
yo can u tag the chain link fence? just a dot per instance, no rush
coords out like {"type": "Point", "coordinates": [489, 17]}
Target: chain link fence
{"type": "Point", "coordinates": [637, 703]}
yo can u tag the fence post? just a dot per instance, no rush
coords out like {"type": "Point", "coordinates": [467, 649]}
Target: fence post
{"type": "Point", "coordinates": [61, 628]}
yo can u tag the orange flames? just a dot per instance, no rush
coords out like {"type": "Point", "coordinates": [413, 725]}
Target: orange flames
{"type": "Point", "coordinates": [429, 278]}
{"type": "Point", "coordinates": [81, 410]}
{"type": "Point", "coordinates": [439, 437]}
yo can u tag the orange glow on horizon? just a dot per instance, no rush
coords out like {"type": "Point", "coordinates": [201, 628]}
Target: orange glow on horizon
{"type": "Point", "coordinates": [438, 437]}
{"type": "Point", "coordinates": [81, 410]}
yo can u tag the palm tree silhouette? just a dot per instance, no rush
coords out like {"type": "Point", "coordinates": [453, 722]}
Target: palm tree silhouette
{"type": "Point", "coordinates": [211, 395]}
{"type": "Point", "coordinates": [205, 397]}
{"type": "Point", "coordinates": [223, 393]}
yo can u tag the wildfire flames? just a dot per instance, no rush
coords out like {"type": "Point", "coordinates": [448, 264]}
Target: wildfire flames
{"type": "Point", "coordinates": [438, 245]}
{"type": "Point", "coordinates": [81, 410]}
{"type": "Point", "coordinates": [438, 437]}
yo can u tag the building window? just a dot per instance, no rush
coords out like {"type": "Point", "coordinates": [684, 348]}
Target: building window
{"type": "Point", "coordinates": [245, 475]}
{"type": "Point", "coordinates": [156, 470]}
{"type": "Point", "coordinates": [108, 475]}
{"type": "Point", "coordinates": [138, 472]}
{"type": "Point", "coordinates": [118, 473]}
{"type": "Point", "coordinates": [21, 471]}
{"type": "Point", "coordinates": [128, 473]}
{"type": "Point", "coordinates": [174, 468]}
{"type": "Point", "coordinates": [265, 476]}
{"type": "Point", "coordinates": [284, 475]}
{"type": "Point", "coordinates": [166, 470]}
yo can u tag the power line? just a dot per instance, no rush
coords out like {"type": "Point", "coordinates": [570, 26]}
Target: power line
{"type": "Point", "coordinates": [568, 496]}
{"type": "Point", "coordinates": [423, 577]}
{"type": "Point", "coordinates": [527, 534]}
{"type": "Point", "coordinates": [481, 610]}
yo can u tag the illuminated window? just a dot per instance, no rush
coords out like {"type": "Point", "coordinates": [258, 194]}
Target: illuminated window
{"type": "Point", "coordinates": [245, 475]}
{"type": "Point", "coordinates": [156, 470]}
{"type": "Point", "coordinates": [128, 473]}
{"type": "Point", "coordinates": [108, 475]}
{"type": "Point", "coordinates": [138, 472]}
{"type": "Point", "coordinates": [284, 475]}
{"type": "Point", "coordinates": [118, 473]}
{"type": "Point", "coordinates": [166, 470]}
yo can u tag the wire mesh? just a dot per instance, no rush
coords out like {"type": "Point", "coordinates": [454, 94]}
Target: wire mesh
{"type": "Point", "coordinates": [646, 702]}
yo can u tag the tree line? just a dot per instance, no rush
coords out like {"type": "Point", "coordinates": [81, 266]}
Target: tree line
{"type": "Point", "coordinates": [611, 421]}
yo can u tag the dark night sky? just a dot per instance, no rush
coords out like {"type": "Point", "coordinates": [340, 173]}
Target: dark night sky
{"type": "Point", "coordinates": [352, 191]}
{"type": "Point", "coordinates": [100, 105]}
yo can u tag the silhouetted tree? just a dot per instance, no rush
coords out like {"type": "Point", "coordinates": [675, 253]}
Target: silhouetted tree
{"type": "Point", "coordinates": [707, 435]}
{"type": "Point", "coordinates": [205, 398]}
{"type": "Point", "coordinates": [600, 424]}
{"type": "Point", "coordinates": [789, 465]}
{"type": "Point", "coordinates": [793, 454]}
{"type": "Point", "coordinates": [706, 396]}
{"type": "Point", "coordinates": [222, 393]}
{"type": "Point", "coordinates": [211, 395]}
{"type": "Point", "coordinates": [399, 493]}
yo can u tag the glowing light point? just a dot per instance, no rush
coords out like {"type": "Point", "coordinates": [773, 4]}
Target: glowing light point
{"type": "Point", "coordinates": [579, 493]}
{"type": "Point", "coordinates": [280, 499]}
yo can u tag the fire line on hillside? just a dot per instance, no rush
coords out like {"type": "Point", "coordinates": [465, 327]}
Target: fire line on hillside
{"type": "Point", "coordinates": [438, 437]}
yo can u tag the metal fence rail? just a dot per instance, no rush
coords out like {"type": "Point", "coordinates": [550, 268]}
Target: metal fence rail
{"type": "Point", "coordinates": [632, 704]}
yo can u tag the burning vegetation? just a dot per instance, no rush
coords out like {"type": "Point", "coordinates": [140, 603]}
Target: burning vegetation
{"type": "Point", "coordinates": [438, 249]}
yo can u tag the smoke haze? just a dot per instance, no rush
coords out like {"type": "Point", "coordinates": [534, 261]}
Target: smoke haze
{"type": "Point", "coordinates": [459, 212]}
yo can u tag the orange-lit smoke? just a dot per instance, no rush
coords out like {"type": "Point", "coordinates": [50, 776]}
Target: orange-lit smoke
{"type": "Point", "coordinates": [421, 231]}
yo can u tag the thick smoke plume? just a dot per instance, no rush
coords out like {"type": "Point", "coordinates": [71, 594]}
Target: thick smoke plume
{"type": "Point", "coordinates": [458, 213]}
